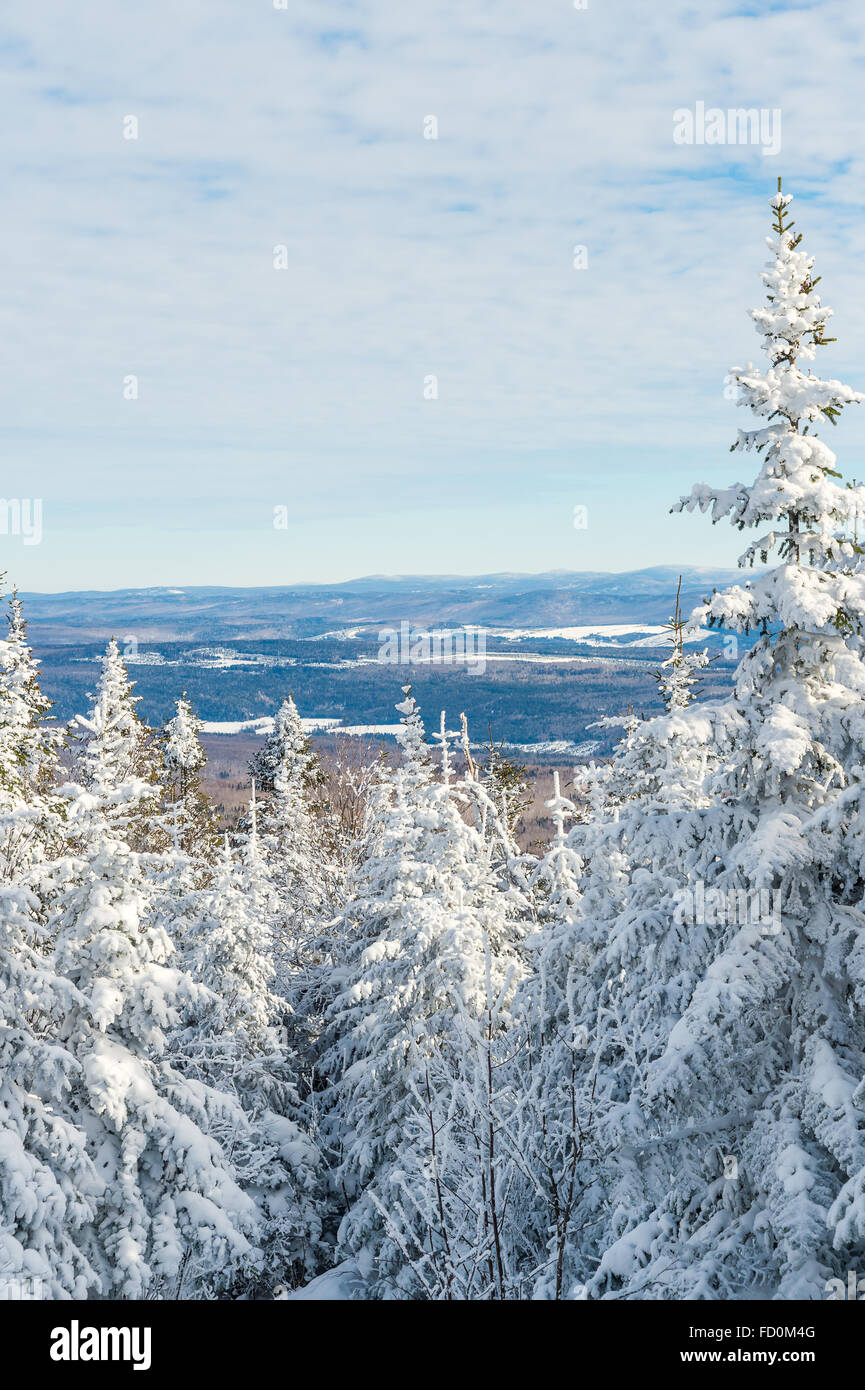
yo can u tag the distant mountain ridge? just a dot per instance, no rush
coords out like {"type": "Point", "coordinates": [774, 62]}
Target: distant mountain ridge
{"type": "Point", "coordinates": [511, 600]}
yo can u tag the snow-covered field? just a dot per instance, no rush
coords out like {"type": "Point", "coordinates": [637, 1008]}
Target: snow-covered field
{"type": "Point", "coordinates": [263, 725]}
{"type": "Point", "coordinates": [601, 635]}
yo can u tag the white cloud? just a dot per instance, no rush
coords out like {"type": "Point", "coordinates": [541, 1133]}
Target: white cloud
{"type": "Point", "coordinates": [407, 257]}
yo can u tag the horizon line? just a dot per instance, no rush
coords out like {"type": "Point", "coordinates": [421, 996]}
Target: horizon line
{"type": "Point", "coordinates": [384, 578]}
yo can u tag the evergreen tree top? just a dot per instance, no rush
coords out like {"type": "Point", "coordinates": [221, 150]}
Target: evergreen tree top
{"type": "Point", "coordinates": [287, 752]}
{"type": "Point", "coordinates": [796, 489]}
{"type": "Point", "coordinates": [411, 736]}
{"type": "Point", "coordinates": [183, 750]}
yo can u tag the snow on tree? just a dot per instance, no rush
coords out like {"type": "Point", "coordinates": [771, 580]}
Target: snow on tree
{"type": "Point", "coordinates": [550, 1130]}
{"type": "Point", "coordinates": [29, 823]}
{"type": "Point", "coordinates": [297, 861]}
{"type": "Point", "coordinates": [286, 747]}
{"type": "Point", "coordinates": [505, 783]}
{"type": "Point", "coordinates": [351, 778]}
{"type": "Point", "coordinates": [633, 1067]}
{"type": "Point", "coordinates": [662, 762]}
{"type": "Point", "coordinates": [736, 1118]}
{"type": "Point", "coordinates": [170, 1192]}
{"type": "Point", "coordinates": [496, 793]}
{"type": "Point", "coordinates": [428, 957]}
{"type": "Point", "coordinates": [118, 758]}
{"type": "Point", "coordinates": [239, 1047]}
{"type": "Point", "coordinates": [189, 816]}
{"type": "Point", "coordinates": [174, 882]}
{"type": "Point", "coordinates": [660, 767]}
{"type": "Point", "coordinates": [679, 674]}
{"type": "Point", "coordinates": [253, 872]}
{"type": "Point", "coordinates": [189, 822]}
{"type": "Point", "coordinates": [229, 949]}
{"type": "Point", "coordinates": [49, 1187]}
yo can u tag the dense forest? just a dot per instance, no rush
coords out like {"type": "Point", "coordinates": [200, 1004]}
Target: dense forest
{"type": "Point", "coordinates": [369, 1037]}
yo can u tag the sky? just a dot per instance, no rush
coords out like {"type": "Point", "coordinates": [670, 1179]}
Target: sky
{"type": "Point", "coordinates": [282, 302]}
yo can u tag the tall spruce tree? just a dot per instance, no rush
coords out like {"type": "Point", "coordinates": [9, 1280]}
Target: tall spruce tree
{"type": "Point", "coordinates": [294, 849]}
{"type": "Point", "coordinates": [170, 1193]}
{"type": "Point", "coordinates": [737, 1120]}
{"type": "Point", "coordinates": [189, 817]}
{"type": "Point", "coordinates": [551, 1127]}
{"type": "Point", "coordinates": [30, 821]}
{"type": "Point", "coordinates": [240, 1047]}
{"type": "Point", "coordinates": [428, 959]}
{"type": "Point", "coordinates": [50, 1189]}
{"type": "Point", "coordinates": [118, 758]}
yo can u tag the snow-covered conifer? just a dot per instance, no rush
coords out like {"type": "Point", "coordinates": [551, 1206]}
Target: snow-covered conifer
{"type": "Point", "coordinates": [428, 955]}
{"type": "Point", "coordinates": [29, 819]}
{"type": "Point", "coordinates": [286, 747]}
{"type": "Point", "coordinates": [169, 1190]}
{"type": "Point", "coordinates": [739, 1135]}
{"type": "Point", "coordinates": [551, 1075]}
{"type": "Point", "coordinates": [118, 757]}
{"type": "Point", "coordinates": [294, 848]}
{"type": "Point", "coordinates": [189, 816]}
{"type": "Point", "coordinates": [240, 1048]}
{"type": "Point", "coordinates": [49, 1187]}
